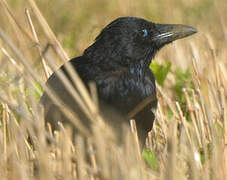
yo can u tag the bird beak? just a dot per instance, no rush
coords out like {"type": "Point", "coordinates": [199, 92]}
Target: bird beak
{"type": "Point", "coordinates": [170, 32]}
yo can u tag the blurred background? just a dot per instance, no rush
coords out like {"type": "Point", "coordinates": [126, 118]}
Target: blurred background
{"type": "Point", "coordinates": [77, 22]}
{"type": "Point", "coordinates": [189, 137]}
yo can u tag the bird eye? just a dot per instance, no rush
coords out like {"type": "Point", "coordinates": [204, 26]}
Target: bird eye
{"type": "Point", "coordinates": [145, 32]}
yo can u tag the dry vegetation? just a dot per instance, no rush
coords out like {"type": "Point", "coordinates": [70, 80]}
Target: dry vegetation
{"type": "Point", "coordinates": [189, 138]}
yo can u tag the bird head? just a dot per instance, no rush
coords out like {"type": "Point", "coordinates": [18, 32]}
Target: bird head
{"type": "Point", "coordinates": [130, 39]}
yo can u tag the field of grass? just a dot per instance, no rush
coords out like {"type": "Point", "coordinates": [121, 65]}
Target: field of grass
{"type": "Point", "coordinates": [189, 138]}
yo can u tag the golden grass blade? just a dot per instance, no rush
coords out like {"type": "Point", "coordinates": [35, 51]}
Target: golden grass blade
{"type": "Point", "coordinates": [46, 69]}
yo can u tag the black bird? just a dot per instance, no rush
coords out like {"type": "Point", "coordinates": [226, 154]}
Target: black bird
{"type": "Point", "coordinates": [118, 62]}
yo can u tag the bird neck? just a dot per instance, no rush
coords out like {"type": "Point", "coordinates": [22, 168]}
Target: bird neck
{"type": "Point", "coordinates": [139, 68]}
{"type": "Point", "coordinates": [114, 60]}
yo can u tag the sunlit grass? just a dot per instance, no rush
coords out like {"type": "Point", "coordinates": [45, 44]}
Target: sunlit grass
{"type": "Point", "coordinates": [189, 137]}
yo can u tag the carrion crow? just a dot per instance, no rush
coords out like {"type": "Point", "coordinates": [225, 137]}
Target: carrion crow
{"type": "Point", "coordinates": [118, 63]}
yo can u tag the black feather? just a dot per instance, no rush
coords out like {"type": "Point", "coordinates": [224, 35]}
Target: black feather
{"type": "Point", "coordinates": [118, 62]}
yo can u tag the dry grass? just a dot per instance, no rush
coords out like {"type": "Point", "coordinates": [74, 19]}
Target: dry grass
{"type": "Point", "coordinates": [183, 146]}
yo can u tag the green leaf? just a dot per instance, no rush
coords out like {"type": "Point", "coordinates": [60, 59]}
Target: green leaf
{"type": "Point", "coordinates": [160, 71]}
{"type": "Point", "coordinates": [150, 158]}
{"type": "Point", "coordinates": [183, 80]}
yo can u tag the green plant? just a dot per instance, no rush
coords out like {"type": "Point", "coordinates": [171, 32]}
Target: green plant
{"type": "Point", "coordinates": [160, 71]}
